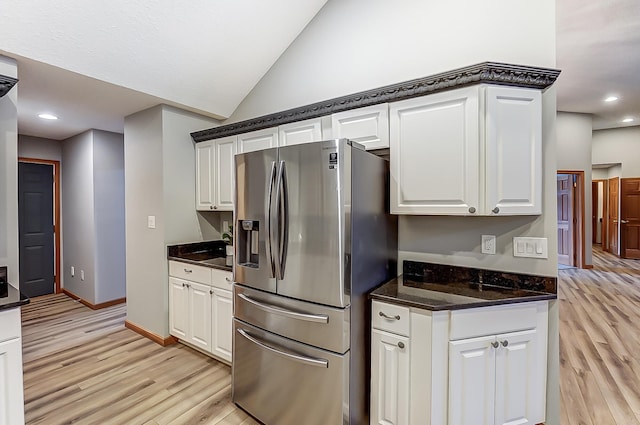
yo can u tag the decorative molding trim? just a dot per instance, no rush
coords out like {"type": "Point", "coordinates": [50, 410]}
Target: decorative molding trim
{"type": "Point", "coordinates": [6, 84]}
{"type": "Point", "coordinates": [153, 337]}
{"type": "Point", "coordinates": [482, 73]}
{"type": "Point", "coordinates": [93, 306]}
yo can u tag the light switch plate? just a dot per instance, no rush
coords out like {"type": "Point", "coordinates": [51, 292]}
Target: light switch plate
{"type": "Point", "coordinates": [530, 247]}
{"type": "Point", "coordinates": [151, 222]}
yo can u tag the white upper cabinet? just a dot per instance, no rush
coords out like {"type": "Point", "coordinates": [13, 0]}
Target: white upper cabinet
{"type": "Point", "coordinates": [214, 174]}
{"type": "Point", "coordinates": [258, 140]}
{"type": "Point", "coordinates": [513, 151]}
{"type": "Point", "coordinates": [368, 126]}
{"type": "Point", "coordinates": [469, 151]}
{"type": "Point", "coordinates": [435, 153]}
{"type": "Point", "coordinates": [300, 132]}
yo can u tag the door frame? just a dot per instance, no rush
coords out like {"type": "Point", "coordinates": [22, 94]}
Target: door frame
{"type": "Point", "coordinates": [56, 213]}
{"type": "Point", "coordinates": [605, 211]}
{"type": "Point", "coordinates": [578, 214]}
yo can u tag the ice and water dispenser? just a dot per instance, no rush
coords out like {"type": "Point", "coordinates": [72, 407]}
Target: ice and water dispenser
{"type": "Point", "coordinates": [248, 243]}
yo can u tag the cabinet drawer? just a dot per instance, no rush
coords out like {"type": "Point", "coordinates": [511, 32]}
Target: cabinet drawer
{"type": "Point", "coordinates": [190, 272]}
{"type": "Point", "coordinates": [221, 279]}
{"type": "Point", "coordinates": [10, 320]}
{"type": "Point", "coordinates": [483, 321]}
{"type": "Point", "coordinates": [390, 318]}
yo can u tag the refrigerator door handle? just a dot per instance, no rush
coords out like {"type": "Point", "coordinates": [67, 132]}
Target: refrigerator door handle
{"type": "Point", "coordinates": [307, 317]}
{"type": "Point", "coordinates": [282, 215]}
{"type": "Point", "coordinates": [269, 231]}
{"type": "Point", "coordinates": [295, 357]}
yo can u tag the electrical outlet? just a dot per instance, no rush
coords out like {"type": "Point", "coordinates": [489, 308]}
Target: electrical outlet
{"type": "Point", "coordinates": [489, 244]}
{"type": "Point", "coordinates": [73, 271]}
{"type": "Point", "coordinates": [81, 274]}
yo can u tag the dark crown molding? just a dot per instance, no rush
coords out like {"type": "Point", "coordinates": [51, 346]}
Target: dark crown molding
{"type": "Point", "coordinates": [485, 72]}
{"type": "Point", "coordinates": [6, 84]}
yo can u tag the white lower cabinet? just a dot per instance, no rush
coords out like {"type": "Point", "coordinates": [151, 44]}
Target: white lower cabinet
{"type": "Point", "coordinates": [11, 393]}
{"type": "Point", "coordinates": [390, 357]}
{"type": "Point", "coordinates": [480, 366]}
{"type": "Point", "coordinates": [200, 314]}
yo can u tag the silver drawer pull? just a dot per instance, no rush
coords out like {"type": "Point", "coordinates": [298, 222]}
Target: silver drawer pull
{"type": "Point", "coordinates": [295, 357]}
{"type": "Point", "coordinates": [396, 317]}
{"type": "Point", "coordinates": [188, 271]}
{"type": "Point", "coordinates": [318, 318]}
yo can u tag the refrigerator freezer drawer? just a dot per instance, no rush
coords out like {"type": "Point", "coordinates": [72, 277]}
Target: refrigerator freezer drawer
{"type": "Point", "coordinates": [313, 324]}
{"type": "Point", "coordinates": [284, 382]}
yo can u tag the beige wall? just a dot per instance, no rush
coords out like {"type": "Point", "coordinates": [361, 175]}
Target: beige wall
{"type": "Point", "coordinates": [618, 145]}
{"type": "Point", "coordinates": [39, 148]}
{"type": "Point", "coordinates": [355, 45]}
{"type": "Point", "coordinates": [574, 154]}
{"type": "Point", "coordinates": [159, 181]}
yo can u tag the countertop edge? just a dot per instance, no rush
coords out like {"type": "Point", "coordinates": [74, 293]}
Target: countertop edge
{"type": "Point", "coordinates": [200, 263]}
{"type": "Point", "coordinates": [22, 299]}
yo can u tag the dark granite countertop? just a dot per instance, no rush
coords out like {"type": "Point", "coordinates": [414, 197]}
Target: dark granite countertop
{"type": "Point", "coordinates": [12, 299]}
{"type": "Point", "coordinates": [452, 296]}
{"type": "Point", "coordinates": [208, 254]}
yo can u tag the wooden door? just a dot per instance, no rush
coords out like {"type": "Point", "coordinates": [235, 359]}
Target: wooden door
{"type": "Point", "coordinates": [472, 381]}
{"type": "Point", "coordinates": [594, 212]}
{"type": "Point", "coordinates": [614, 212]}
{"type": "Point", "coordinates": [565, 219]}
{"type": "Point", "coordinates": [630, 218]}
{"type": "Point", "coordinates": [389, 378]}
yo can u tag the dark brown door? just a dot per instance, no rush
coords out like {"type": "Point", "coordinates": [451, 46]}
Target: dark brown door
{"type": "Point", "coordinates": [565, 219]}
{"type": "Point", "coordinates": [594, 212]}
{"type": "Point", "coordinates": [614, 201]}
{"type": "Point", "coordinates": [630, 218]}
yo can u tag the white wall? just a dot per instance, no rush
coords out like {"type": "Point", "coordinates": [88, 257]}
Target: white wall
{"type": "Point", "coordinates": [108, 184]}
{"type": "Point", "coordinates": [78, 237]}
{"type": "Point", "coordinates": [574, 154]}
{"type": "Point", "coordinates": [39, 148]}
{"type": "Point", "coordinates": [160, 181]}
{"type": "Point", "coordinates": [9, 173]}
{"type": "Point", "coordinates": [618, 145]}
{"type": "Point", "coordinates": [355, 45]}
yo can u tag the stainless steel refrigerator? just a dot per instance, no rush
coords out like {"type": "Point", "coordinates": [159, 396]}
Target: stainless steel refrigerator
{"type": "Point", "coordinates": [312, 239]}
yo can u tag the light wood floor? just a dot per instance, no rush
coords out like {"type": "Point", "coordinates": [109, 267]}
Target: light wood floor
{"type": "Point", "coordinates": [84, 367]}
{"type": "Point", "coordinates": [600, 342]}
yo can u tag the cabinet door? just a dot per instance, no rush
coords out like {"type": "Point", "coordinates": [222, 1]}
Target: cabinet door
{"type": "Point", "coordinates": [517, 393]}
{"type": "Point", "coordinates": [300, 132]}
{"type": "Point", "coordinates": [200, 315]}
{"type": "Point", "coordinates": [204, 176]}
{"type": "Point", "coordinates": [435, 145]}
{"type": "Point", "coordinates": [11, 394]}
{"type": "Point", "coordinates": [390, 357]}
{"type": "Point", "coordinates": [368, 126]}
{"type": "Point", "coordinates": [178, 308]}
{"type": "Point", "coordinates": [222, 326]}
{"type": "Point", "coordinates": [225, 150]}
{"type": "Point", "coordinates": [513, 151]}
{"type": "Point", "coordinates": [258, 140]}
{"type": "Point", "coordinates": [472, 381]}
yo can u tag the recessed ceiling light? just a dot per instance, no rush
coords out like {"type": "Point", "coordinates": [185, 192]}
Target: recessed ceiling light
{"type": "Point", "coordinates": [48, 117]}
{"type": "Point", "coordinates": [611, 99]}
{"type": "Point", "coordinates": [628, 120]}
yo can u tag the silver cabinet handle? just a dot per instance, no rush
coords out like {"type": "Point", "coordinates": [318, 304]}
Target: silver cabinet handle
{"type": "Point", "coordinates": [318, 318]}
{"type": "Point", "coordinates": [495, 344]}
{"type": "Point", "coordinates": [505, 343]}
{"type": "Point", "coordinates": [401, 344]}
{"type": "Point", "coordinates": [295, 357]}
{"type": "Point", "coordinates": [188, 271]}
{"type": "Point", "coordinates": [269, 245]}
{"type": "Point", "coordinates": [472, 210]}
{"type": "Point", "coordinates": [496, 210]}
{"type": "Point", "coordinates": [396, 317]}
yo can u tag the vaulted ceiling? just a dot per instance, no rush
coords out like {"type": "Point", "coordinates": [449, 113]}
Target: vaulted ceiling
{"type": "Point", "coordinates": [92, 66]}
